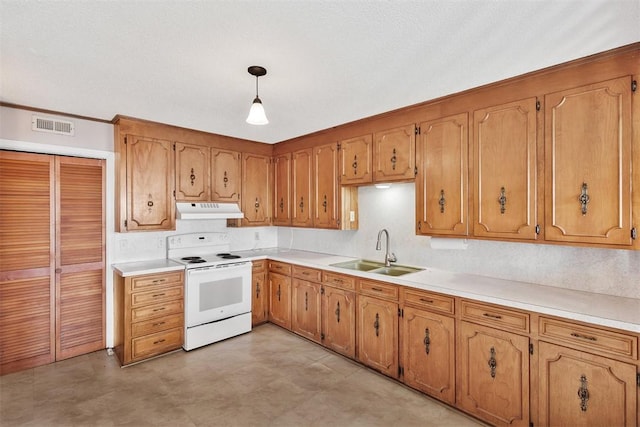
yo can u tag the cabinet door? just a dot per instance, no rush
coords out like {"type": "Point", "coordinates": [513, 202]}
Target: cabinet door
{"type": "Point", "coordinates": [429, 353]}
{"type": "Point", "coordinates": [493, 375]}
{"type": "Point", "coordinates": [150, 184]}
{"type": "Point", "coordinates": [259, 301]}
{"type": "Point", "coordinates": [326, 194]}
{"type": "Point", "coordinates": [378, 334]}
{"type": "Point", "coordinates": [588, 163]}
{"type": "Point", "coordinates": [80, 256]}
{"type": "Point", "coordinates": [305, 309]}
{"type": "Point", "coordinates": [441, 184]}
{"type": "Point", "coordinates": [282, 190]}
{"type": "Point", "coordinates": [225, 175]}
{"type": "Point", "coordinates": [394, 154]}
{"type": "Point", "coordinates": [280, 300]}
{"type": "Point", "coordinates": [505, 161]}
{"type": "Point", "coordinates": [256, 188]}
{"type": "Point", "coordinates": [580, 389]}
{"type": "Point", "coordinates": [302, 188]}
{"type": "Point", "coordinates": [356, 160]}
{"type": "Point", "coordinates": [339, 321]}
{"type": "Point", "coordinates": [27, 291]}
{"type": "Point", "coordinates": [192, 172]}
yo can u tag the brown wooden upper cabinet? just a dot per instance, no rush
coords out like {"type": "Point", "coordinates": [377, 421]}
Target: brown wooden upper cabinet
{"type": "Point", "coordinates": [192, 172]}
{"type": "Point", "coordinates": [504, 164]}
{"type": "Point", "coordinates": [225, 175]}
{"type": "Point", "coordinates": [588, 163]}
{"type": "Point", "coordinates": [356, 160]}
{"type": "Point", "coordinates": [326, 192]}
{"type": "Point", "coordinates": [256, 198]}
{"type": "Point", "coordinates": [150, 203]}
{"type": "Point", "coordinates": [302, 188]}
{"type": "Point", "coordinates": [394, 154]}
{"type": "Point", "coordinates": [282, 190]}
{"type": "Point", "coordinates": [441, 183]}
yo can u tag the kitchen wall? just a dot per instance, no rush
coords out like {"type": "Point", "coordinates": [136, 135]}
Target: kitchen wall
{"type": "Point", "coordinates": [606, 271]}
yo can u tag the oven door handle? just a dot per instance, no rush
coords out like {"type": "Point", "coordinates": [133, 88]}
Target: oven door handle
{"type": "Point", "coordinates": [219, 268]}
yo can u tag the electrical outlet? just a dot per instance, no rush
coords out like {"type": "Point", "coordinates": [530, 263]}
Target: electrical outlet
{"type": "Point", "coordinates": [256, 236]}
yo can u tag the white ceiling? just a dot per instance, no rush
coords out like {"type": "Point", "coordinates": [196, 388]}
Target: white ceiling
{"type": "Point", "coordinates": [328, 62]}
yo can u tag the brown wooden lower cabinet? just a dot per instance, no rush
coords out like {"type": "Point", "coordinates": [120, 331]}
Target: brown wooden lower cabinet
{"type": "Point", "coordinates": [377, 334]}
{"type": "Point", "coordinates": [280, 299]}
{"type": "Point", "coordinates": [306, 309]}
{"type": "Point", "coordinates": [339, 320]}
{"type": "Point", "coordinates": [493, 374]}
{"type": "Point", "coordinates": [581, 389]}
{"type": "Point", "coordinates": [259, 293]}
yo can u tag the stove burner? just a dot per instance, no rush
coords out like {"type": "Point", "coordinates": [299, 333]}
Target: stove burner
{"type": "Point", "coordinates": [228, 256]}
{"type": "Point", "coordinates": [193, 259]}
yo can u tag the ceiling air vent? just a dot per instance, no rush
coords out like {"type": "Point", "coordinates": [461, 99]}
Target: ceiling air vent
{"type": "Point", "coordinates": [44, 124]}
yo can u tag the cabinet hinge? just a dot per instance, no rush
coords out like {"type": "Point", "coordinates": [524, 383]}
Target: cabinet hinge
{"type": "Point", "coordinates": [322, 336]}
{"type": "Point", "coordinates": [400, 371]}
{"type": "Point", "coordinates": [322, 291]}
{"type": "Point", "coordinates": [338, 222]}
{"type": "Point", "coordinates": [339, 146]}
{"type": "Point", "coordinates": [174, 194]}
{"type": "Point", "coordinates": [415, 171]}
{"type": "Point", "coordinates": [634, 233]}
{"type": "Point", "coordinates": [530, 348]}
{"type": "Point", "coordinates": [537, 228]}
{"type": "Point", "coordinates": [638, 379]}
{"type": "Point", "coordinates": [531, 424]}
{"type": "Point", "coordinates": [538, 105]}
{"type": "Point", "coordinates": [634, 85]}
{"type": "Point", "coordinates": [417, 130]}
{"type": "Point", "coordinates": [174, 147]}
{"type": "Point", "coordinates": [125, 139]}
{"type": "Point", "coordinates": [125, 223]}
{"type": "Point", "coordinates": [400, 312]}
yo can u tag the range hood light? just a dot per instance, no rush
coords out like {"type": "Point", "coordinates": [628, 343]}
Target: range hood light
{"type": "Point", "coordinates": [207, 210]}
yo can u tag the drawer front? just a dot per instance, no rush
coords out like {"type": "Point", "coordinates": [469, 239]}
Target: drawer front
{"type": "Point", "coordinates": [152, 345]}
{"type": "Point", "coordinates": [258, 265]}
{"type": "Point", "coordinates": [155, 280]}
{"type": "Point", "coordinates": [338, 280]}
{"type": "Point", "coordinates": [429, 301]}
{"type": "Point", "coordinates": [280, 267]}
{"type": "Point", "coordinates": [493, 316]}
{"type": "Point", "coordinates": [163, 293]}
{"type": "Point", "coordinates": [157, 310]}
{"type": "Point", "coordinates": [306, 273]}
{"type": "Point", "coordinates": [157, 325]}
{"type": "Point", "coordinates": [379, 289]}
{"type": "Point", "coordinates": [589, 338]}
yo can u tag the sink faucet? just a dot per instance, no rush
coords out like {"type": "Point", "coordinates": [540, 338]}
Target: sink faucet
{"type": "Point", "coordinates": [388, 258]}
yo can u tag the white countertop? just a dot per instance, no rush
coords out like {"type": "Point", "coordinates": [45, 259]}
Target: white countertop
{"type": "Point", "coordinates": [605, 310]}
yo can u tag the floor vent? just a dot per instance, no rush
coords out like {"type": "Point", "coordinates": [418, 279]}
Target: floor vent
{"type": "Point", "coordinates": [44, 124]}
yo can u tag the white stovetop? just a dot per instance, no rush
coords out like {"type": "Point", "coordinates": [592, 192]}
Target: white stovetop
{"type": "Point", "coordinates": [605, 310]}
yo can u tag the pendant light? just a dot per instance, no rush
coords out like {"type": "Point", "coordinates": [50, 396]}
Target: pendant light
{"type": "Point", "coordinates": [256, 113]}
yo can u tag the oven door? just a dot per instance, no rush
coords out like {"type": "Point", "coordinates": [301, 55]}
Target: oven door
{"type": "Point", "coordinates": [217, 293]}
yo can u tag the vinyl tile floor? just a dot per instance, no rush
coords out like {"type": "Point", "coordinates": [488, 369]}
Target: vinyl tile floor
{"type": "Point", "coordinates": [269, 377]}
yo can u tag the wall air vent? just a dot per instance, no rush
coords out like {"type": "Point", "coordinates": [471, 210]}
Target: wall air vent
{"type": "Point", "coordinates": [45, 124]}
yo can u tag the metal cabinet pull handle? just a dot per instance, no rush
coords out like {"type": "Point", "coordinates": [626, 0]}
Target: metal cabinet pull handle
{"type": "Point", "coordinates": [192, 176]}
{"type": "Point", "coordinates": [158, 295]}
{"type": "Point", "coordinates": [159, 341]}
{"type": "Point", "coordinates": [338, 312]}
{"type": "Point", "coordinates": [225, 179]}
{"type": "Point", "coordinates": [427, 340]}
{"type": "Point", "coordinates": [493, 316]}
{"type": "Point", "coordinates": [159, 324]}
{"type": "Point", "coordinates": [278, 293]}
{"type": "Point", "coordinates": [583, 393]}
{"type": "Point", "coordinates": [301, 204]}
{"type": "Point", "coordinates": [376, 289]}
{"type": "Point", "coordinates": [150, 203]}
{"type": "Point", "coordinates": [441, 201]}
{"type": "Point", "coordinates": [394, 159]}
{"type": "Point", "coordinates": [159, 280]}
{"type": "Point", "coordinates": [584, 337]}
{"type": "Point", "coordinates": [281, 204]}
{"type": "Point", "coordinates": [257, 290]}
{"type": "Point", "coordinates": [428, 301]}
{"type": "Point", "coordinates": [158, 309]}
{"type": "Point", "coordinates": [324, 203]}
{"type": "Point", "coordinates": [354, 165]}
{"type": "Point", "coordinates": [376, 325]}
{"type": "Point", "coordinates": [583, 198]}
{"type": "Point", "coordinates": [257, 204]}
{"type": "Point", "coordinates": [492, 362]}
{"type": "Point", "coordinates": [306, 301]}
{"type": "Point", "coordinates": [502, 200]}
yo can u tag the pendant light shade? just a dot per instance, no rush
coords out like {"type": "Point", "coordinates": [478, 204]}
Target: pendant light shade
{"type": "Point", "coordinates": [257, 115]}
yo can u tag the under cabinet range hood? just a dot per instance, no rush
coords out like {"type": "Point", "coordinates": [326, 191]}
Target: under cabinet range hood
{"type": "Point", "coordinates": [207, 210]}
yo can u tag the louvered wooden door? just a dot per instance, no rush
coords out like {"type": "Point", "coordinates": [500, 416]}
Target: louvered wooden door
{"type": "Point", "coordinates": [51, 258]}
{"type": "Point", "coordinates": [27, 303]}
{"type": "Point", "coordinates": [80, 262]}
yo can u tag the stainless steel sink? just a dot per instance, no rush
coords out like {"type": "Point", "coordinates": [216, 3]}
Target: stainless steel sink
{"type": "Point", "coordinates": [359, 264]}
{"type": "Point", "coordinates": [376, 267]}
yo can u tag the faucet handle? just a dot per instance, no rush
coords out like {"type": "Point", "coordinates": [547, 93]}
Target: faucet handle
{"type": "Point", "coordinates": [392, 257]}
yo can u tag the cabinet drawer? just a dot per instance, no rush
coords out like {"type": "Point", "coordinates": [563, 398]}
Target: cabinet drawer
{"type": "Point", "coordinates": [155, 344]}
{"type": "Point", "coordinates": [591, 339]}
{"type": "Point", "coordinates": [157, 310]}
{"type": "Point", "coordinates": [306, 273]}
{"type": "Point", "coordinates": [156, 325]}
{"type": "Point", "coordinates": [163, 293]}
{"type": "Point", "coordinates": [497, 317]}
{"type": "Point", "coordinates": [155, 280]}
{"type": "Point", "coordinates": [338, 280]}
{"type": "Point", "coordinates": [429, 301]}
{"type": "Point", "coordinates": [258, 265]}
{"type": "Point", "coordinates": [280, 267]}
{"type": "Point", "coordinates": [379, 289]}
